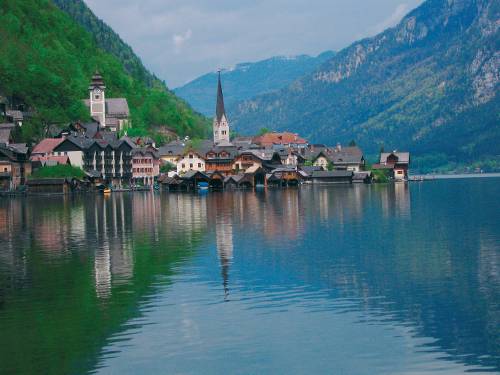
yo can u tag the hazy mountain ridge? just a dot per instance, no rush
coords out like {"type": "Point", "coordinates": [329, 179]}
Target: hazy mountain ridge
{"type": "Point", "coordinates": [246, 80]}
{"type": "Point", "coordinates": [428, 85]}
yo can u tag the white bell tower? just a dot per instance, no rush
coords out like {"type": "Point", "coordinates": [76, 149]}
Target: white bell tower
{"type": "Point", "coordinates": [97, 99]}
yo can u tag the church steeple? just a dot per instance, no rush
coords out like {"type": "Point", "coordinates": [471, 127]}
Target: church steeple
{"type": "Point", "coordinates": [97, 99]}
{"type": "Point", "coordinates": [221, 125]}
{"type": "Point", "coordinates": [220, 110]}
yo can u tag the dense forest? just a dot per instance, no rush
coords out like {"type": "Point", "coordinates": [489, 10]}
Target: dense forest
{"type": "Point", "coordinates": [47, 61]}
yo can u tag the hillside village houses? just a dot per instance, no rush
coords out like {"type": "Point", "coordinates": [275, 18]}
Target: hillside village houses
{"type": "Point", "coordinates": [270, 159]}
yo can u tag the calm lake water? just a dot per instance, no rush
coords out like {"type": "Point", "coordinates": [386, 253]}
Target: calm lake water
{"type": "Point", "coordinates": [396, 279]}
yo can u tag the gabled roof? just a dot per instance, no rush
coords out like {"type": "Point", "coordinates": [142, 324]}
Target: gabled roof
{"type": "Point", "coordinates": [284, 138]}
{"type": "Point", "coordinates": [172, 149]}
{"type": "Point", "coordinates": [47, 145]}
{"type": "Point", "coordinates": [403, 157]}
{"type": "Point", "coordinates": [5, 136]}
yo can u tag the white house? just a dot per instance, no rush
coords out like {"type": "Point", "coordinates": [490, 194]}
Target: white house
{"type": "Point", "coordinates": [191, 161]}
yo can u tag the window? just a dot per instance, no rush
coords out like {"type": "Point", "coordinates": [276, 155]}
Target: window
{"type": "Point", "coordinates": [190, 165]}
{"type": "Point", "coordinates": [97, 96]}
{"type": "Point", "coordinates": [5, 169]}
{"type": "Point", "coordinates": [199, 165]}
{"type": "Point", "coordinates": [183, 165]}
{"type": "Point", "coordinates": [190, 156]}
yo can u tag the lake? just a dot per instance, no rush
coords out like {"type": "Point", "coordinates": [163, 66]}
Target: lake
{"type": "Point", "coordinates": [381, 279]}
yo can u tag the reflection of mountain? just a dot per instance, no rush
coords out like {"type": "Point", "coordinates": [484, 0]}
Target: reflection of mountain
{"type": "Point", "coordinates": [422, 258]}
{"type": "Point", "coordinates": [419, 267]}
{"type": "Point", "coordinates": [85, 265]}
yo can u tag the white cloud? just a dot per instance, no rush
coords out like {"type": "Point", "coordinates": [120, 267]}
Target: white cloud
{"type": "Point", "coordinates": [180, 39]}
{"type": "Point", "coordinates": [396, 16]}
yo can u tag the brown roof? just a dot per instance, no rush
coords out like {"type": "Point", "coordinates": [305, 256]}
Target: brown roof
{"type": "Point", "coordinates": [51, 160]}
{"type": "Point", "coordinates": [285, 138]}
{"type": "Point", "coordinates": [47, 145]}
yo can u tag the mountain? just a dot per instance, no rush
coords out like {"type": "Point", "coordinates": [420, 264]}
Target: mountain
{"type": "Point", "coordinates": [47, 60]}
{"type": "Point", "coordinates": [428, 85]}
{"type": "Point", "coordinates": [247, 80]}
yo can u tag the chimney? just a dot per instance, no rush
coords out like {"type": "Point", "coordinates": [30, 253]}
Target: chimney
{"type": "Point", "coordinates": [339, 147]}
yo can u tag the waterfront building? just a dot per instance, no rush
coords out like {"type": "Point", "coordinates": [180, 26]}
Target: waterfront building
{"type": "Point", "coordinates": [220, 159]}
{"type": "Point", "coordinates": [191, 160]}
{"type": "Point", "coordinates": [145, 165]}
{"type": "Point", "coordinates": [397, 163]}
{"type": "Point", "coordinates": [15, 166]}
{"type": "Point", "coordinates": [112, 114]}
{"type": "Point", "coordinates": [172, 152]}
{"type": "Point", "coordinates": [220, 123]}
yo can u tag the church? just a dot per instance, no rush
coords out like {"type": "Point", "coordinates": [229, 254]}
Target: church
{"type": "Point", "coordinates": [112, 114]}
{"type": "Point", "coordinates": [221, 124]}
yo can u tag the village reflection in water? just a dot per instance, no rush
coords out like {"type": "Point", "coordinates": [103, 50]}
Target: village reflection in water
{"type": "Point", "coordinates": [392, 250]}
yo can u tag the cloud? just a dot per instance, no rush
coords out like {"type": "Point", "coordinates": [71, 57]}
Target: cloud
{"type": "Point", "coordinates": [396, 16]}
{"type": "Point", "coordinates": [180, 39]}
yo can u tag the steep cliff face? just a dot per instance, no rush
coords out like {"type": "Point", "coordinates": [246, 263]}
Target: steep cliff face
{"type": "Point", "coordinates": [428, 85]}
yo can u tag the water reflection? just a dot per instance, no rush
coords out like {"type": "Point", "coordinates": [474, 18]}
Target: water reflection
{"type": "Point", "coordinates": [396, 277]}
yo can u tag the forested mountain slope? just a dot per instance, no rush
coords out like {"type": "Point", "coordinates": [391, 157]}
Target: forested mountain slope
{"type": "Point", "coordinates": [428, 85]}
{"type": "Point", "coordinates": [47, 60]}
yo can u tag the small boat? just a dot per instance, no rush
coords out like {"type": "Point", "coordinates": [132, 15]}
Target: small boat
{"type": "Point", "coordinates": [202, 185]}
{"type": "Point", "coordinates": [107, 190]}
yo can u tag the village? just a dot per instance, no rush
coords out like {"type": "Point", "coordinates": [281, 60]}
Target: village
{"type": "Point", "coordinates": [112, 163]}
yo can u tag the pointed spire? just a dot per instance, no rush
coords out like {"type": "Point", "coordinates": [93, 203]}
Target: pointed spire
{"type": "Point", "coordinates": [220, 110]}
{"type": "Point", "coordinates": [97, 81]}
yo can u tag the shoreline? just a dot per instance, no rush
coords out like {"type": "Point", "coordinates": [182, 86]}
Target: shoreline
{"type": "Point", "coordinates": [430, 177]}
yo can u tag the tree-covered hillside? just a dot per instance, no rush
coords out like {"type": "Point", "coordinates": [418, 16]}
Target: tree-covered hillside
{"type": "Point", "coordinates": [428, 85]}
{"type": "Point", "coordinates": [47, 61]}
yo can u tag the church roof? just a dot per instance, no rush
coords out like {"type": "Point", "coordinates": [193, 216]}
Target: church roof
{"type": "Point", "coordinates": [97, 82]}
{"type": "Point", "coordinates": [220, 110]}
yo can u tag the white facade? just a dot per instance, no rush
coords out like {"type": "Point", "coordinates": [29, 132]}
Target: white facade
{"type": "Point", "coordinates": [98, 105]}
{"type": "Point", "coordinates": [322, 162]}
{"type": "Point", "coordinates": [191, 161]}
{"type": "Point", "coordinates": [221, 130]}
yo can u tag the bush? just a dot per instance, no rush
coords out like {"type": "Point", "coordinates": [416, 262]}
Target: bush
{"type": "Point", "coordinates": [59, 171]}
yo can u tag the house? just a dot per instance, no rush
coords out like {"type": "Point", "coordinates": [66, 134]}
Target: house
{"type": "Point", "coordinates": [172, 152]}
{"type": "Point", "coordinates": [15, 166]}
{"type": "Point", "coordinates": [220, 159]}
{"type": "Point", "coordinates": [248, 161]}
{"type": "Point", "coordinates": [112, 114]}
{"type": "Point", "coordinates": [6, 133]}
{"type": "Point", "coordinates": [49, 186]}
{"type": "Point", "coordinates": [46, 147]}
{"type": "Point", "coordinates": [348, 158]}
{"type": "Point", "coordinates": [191, 160]}
{"type": "Point", "coordinates": [285, 177]}
{"type": "Point", "coordinates": [72, 146]}
{"type": "Point", "coordinates": [287, 139]}
{"type": "Point", "coordinates": [397, 163]}
{"type": "Point", "coordinates": [332, 177]}
{"type": "Point", "coordinates": [362, 177]}
{"type": "Point", "coordinates": [145, 165]}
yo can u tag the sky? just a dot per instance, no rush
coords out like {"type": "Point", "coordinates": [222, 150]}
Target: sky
{"type": "Point", "coordinates": [179, 40]}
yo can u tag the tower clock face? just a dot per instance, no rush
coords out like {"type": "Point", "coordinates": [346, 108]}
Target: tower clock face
{"type": "Point", "coordinates": [97, 91]}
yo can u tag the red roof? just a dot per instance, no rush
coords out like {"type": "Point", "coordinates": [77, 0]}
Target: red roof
{"type": "Point", "coordinates": [47, 145]}
{"type": "Point", "coordinates": [285, 138]}
{"type": "Point", "coordinates": [64, 159]}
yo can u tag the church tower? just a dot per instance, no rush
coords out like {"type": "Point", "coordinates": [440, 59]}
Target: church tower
{"type": "Point", "coordinates": [221, 125]}
{"type": "Point", "coordinates": [97, 99]}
